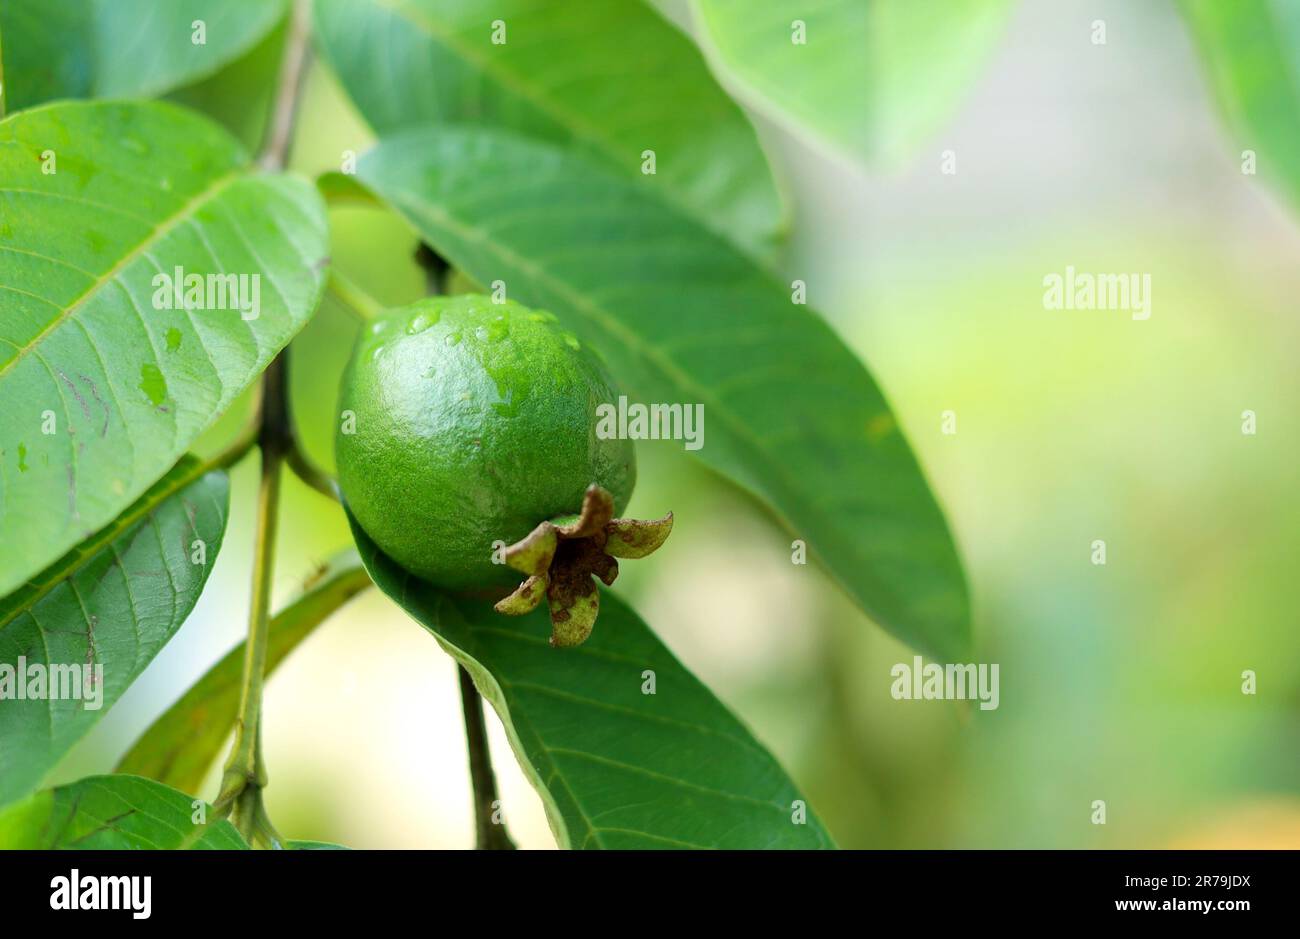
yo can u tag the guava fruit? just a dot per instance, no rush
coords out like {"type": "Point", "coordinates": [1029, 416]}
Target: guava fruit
{"type": "Point", "coordinates": [467, 451]}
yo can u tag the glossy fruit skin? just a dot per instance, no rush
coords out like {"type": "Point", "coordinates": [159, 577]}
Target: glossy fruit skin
{"type": "Point", "coordinates": [473, 422]}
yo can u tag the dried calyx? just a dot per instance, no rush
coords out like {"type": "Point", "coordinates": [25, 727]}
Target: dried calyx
{"type": "Point", "coordinates": [561, 556]}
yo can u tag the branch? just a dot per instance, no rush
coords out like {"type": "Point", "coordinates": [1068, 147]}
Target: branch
{"type": "Point", "coordinates": [292, 71]}
{"type": "Point", "coordinates": [245, 773]}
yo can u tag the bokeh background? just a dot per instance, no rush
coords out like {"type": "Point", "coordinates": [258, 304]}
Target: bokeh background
{"type": "Point", "coordinates": [1120, 683]}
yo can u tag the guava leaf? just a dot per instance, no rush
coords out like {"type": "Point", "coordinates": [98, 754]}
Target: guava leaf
{"type": "Point", "coordinates": [316, 846]}
{"type": "Point", "coordinates": [873, 79]}
{"type": "Point", "coordinates": [1251, 50]}
{"type": "Point", "coordinates": [615, 767]}
{"type": "Point", "coordinates": [113, 813]}
{"type": "Point", "coordinates": [179, 747]}
{"type": "Point", "coordinates": [611, 79]}
{"type": "Point", "coordinates": [102, 390]}
{"type": "Point", "coordinates": [240, 94]}
{"type": "Point", "coordinates": [113, 602]}
{"type": "Point", "coordinates": [682, 317]}
{"type": "Point", "coordinates": [123, 48]}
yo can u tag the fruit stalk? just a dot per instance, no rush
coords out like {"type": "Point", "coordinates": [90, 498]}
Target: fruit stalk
{"type": "Point", "coordinates": [489, 834]}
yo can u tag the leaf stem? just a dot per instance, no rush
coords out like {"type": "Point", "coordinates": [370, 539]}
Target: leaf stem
{"type": "Point", "coordinates": [490, 835]}
{"type": "Point", "coordinates": [353, 296]}
{"type": "Point", "coordinates": [310, 473]}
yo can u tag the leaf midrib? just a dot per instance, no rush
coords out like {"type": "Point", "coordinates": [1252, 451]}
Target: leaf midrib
{"type": "Point", "coordinates": [160, 231]}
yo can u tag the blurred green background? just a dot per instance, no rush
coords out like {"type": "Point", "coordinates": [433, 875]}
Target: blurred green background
{"type": "Point", "coordinates": [1119, 683]}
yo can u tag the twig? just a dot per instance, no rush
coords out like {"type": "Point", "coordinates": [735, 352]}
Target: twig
{"type": "Point", "coordinates": [289, 91]}
{"type": "Point", "coordinates": [490, 834]}
{"type": "Point", "coordinates": [245, 774]}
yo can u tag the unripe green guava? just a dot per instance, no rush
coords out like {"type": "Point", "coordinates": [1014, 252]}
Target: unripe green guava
{"type": "Point", "coordinates": [467, 423]}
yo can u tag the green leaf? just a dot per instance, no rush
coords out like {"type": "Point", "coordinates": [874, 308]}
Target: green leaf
{"type": "Point", "coordinates": [104, 391]}
{"type": "Point", "coordinates": [315, 846]}
{"type": "Point", "coordinates": [611, 79]}
{"type": "Point", "coordinates": [682, 317]}
{"type": "Point", "coordinates": [113, 602]}
{"type": "Point", "coordinates": [874, 80]}
{"type": "Point", "coordinates": [102, 813]}
{"type": "Point", "coordinates": [123, 48]}
{"type": "Point", "coordinates": [239, 96]}
{"type": "Point", "coordinates": [615, 768]}
{"type": "Point", "coordinates": [179, 747]}
{"type": "Point", "coordinates": [1252, 51]}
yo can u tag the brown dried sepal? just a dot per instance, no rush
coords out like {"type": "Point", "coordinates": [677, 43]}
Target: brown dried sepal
{"type": "Point", "coordinates": [560, 560]}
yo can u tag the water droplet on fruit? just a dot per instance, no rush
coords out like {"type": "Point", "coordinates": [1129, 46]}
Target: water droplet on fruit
{"type": "Point", "coordinates": [452, 339]}
{"type": "Point", "coordinates": [421, 322]}
{"type": "Point", "coordinates": [507, 406]}
{"type": "Point", "coordinates": [494, 331]}
{"type": "Point", "coordinates": [572, 341]}
{"type": "Point", "coordinates": [511, 393]}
